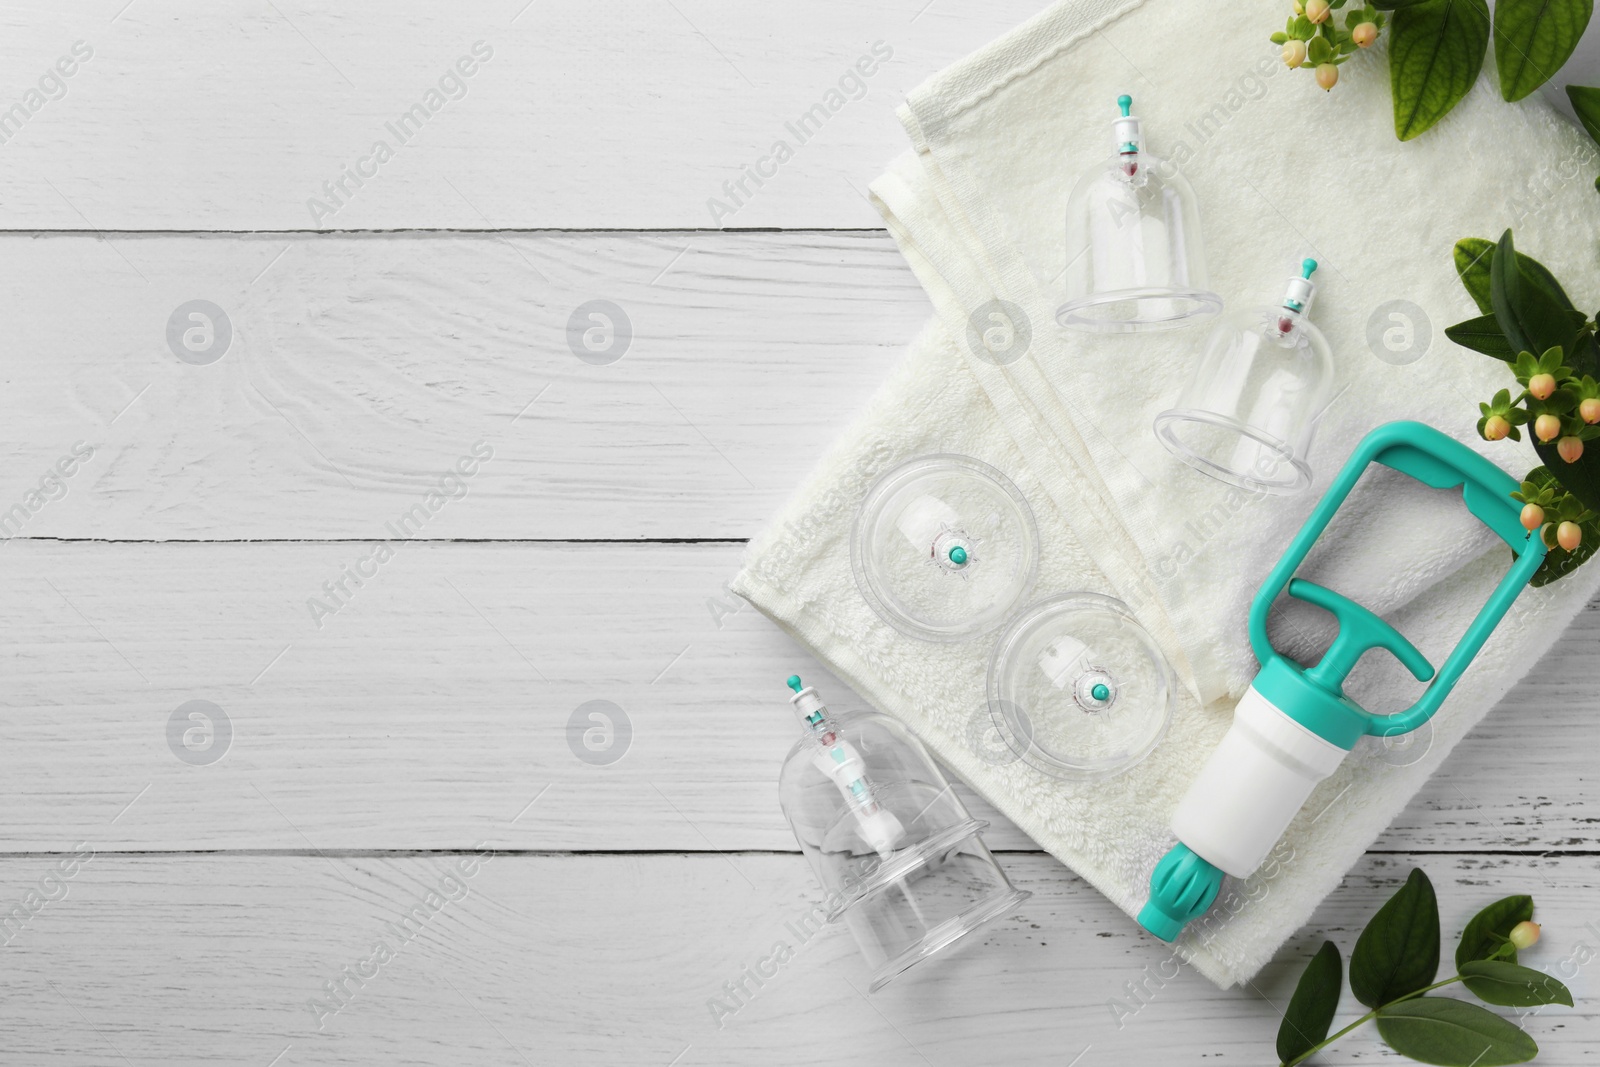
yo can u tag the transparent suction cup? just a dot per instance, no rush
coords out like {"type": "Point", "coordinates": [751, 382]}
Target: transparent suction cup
{"type": "Point", "coordinates": [1134, 260]}
{"type": "Point", "coordinates": [944, 547]}
{"type": "Point", "coordinates": [1250, 409]}
{"type": "Point", "coordinates": [1078, 689]}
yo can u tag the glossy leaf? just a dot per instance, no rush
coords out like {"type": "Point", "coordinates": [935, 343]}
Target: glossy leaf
{"type": "Point", "coordinates": [1533, 38]}
{"type": "Point", "coordinates": [1490, 927]}
{"type": "Point", "coordinates": [1398, 952]}
{"type": "Point", "coordinates": [1531, 318]}
{"type": "Point", "coordinates": [1586, 104]}
{"type": "Point", "coordinates": [1305, 1025]}
{"type": "Point", "coordinates": [1482, 334]}
{"type": "Point", "coordinates": [1511, 986]}
{"type": "Point", "coordinates": [1453, 1033]}
{"type": "Point", "coordinates": [1436, 50]}
{"type": "Point", "coordinates": [1473, 256]}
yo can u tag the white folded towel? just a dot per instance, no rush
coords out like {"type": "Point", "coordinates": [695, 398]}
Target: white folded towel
{"type": "Point", "coordinates": [1281, 171]}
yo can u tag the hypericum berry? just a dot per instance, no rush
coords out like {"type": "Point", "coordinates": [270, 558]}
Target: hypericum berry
{"type": "Point", "coordinates": [1589, 410]}
{"type": "Point", "coordinates": [1569, 448]}
{"type": "Point", "coordinates": [1364, 34]}
{"type": "Point", "coordinates": [1495, 428]}
{"type": "Point", "coordinates": [1294, 53]}
{"type": "Point", "coordinates": [1568, 534]}
{"type": "Point", "coordinates": [1299, 7]}
{"type": "Point", "coordinates": [1525, 934]}
{"type": "Point", "coordinates": [1547, 427]}
{"type": "Point", "coordinates": [1541, 386]}
{"type": "Point", "coordinates": [1327, 76]}
{"type": "Point", "coordinates": [1532, 516]}
{"type": "Point", "coordinates": [1317, 10]}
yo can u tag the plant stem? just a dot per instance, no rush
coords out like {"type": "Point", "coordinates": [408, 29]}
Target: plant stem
{"type": "Point", "coordinates": [1369, 1016]}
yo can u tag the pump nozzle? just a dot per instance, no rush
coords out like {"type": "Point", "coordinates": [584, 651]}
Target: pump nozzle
{"type": "Point", "coordinates": [1182, 887]}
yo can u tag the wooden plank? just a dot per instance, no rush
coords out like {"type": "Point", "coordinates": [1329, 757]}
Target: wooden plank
{"type": "Point", "coordinates": [432, 709]}
{"type": "Point", "coordinates": [614, 959]}
{"type": "Point", "coordinates": [359, 370]}
{"type": "Point", "coordinates": [629, 116]}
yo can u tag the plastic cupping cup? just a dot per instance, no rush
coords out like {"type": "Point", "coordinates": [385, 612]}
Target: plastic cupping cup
{"type": "Point", "coordinates": [944, 547]}
{"type": "Point", "coordinates": [1134, 255]}
{"type": "Point", "coordinates": [1249, 410]}
{"type": "Point", "coordinates": [902, 862]}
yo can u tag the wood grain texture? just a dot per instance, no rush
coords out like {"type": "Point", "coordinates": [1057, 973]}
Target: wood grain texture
{"type": "Point", "coordinates": [433, 707]}
{"type": "Point", "coordinates": [360, 368]}
{"type": "Point", "coordinates": [232, 115]}
{"type": "Point", "coordinates": [615, 959]}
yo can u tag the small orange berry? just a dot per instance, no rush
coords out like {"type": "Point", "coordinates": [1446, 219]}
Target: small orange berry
{"type": "Point", "coordinates": [1547, 427]}
{"type": "Point", "coordinates": [1364, 34]}
{"type": "Point", "coordinates": [1525, 934]}
{"type": "Point", "coordinates": [1569, 448]}
{"type": "Point", "coordinates": [1542, 385]}
{"type": "Point", "coordinates": [1495, 428]}
{"type": "Point", "coordinates": [1568, 534]}
{"type": "Point", "coordinates": [1294, 53]}
{"type": "Point", "coordinates": [1327, 76]}
{"type": "Point", "coordinates": [1589, 410]}
{"type": "Point", "coordinates": [1317, 10]}
{"type": "Point", "coordinates": [1532, 516]}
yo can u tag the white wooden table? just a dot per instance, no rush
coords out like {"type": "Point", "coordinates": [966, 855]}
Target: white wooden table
{"type": "Point", "coordinates": [186, 894]}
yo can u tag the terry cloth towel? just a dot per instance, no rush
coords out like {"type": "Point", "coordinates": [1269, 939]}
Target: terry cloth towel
{"type": "Point", "coordinates": [1281, 170]}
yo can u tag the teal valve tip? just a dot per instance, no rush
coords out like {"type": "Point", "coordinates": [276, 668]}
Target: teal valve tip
{"type": "Point", "coordinates": [794, 682]}
{"type": "Point", "coordinates": [1125, 102]}
{"type": "Point", "coordinates": [1308, 267]}
{"type": "Point", "coordinates": [1100, 691]}
{"type": "Point", "coordinates": [958, 555]}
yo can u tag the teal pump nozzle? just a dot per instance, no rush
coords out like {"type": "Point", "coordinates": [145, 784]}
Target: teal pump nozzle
{"type": "Point", "coordinates": [1182, 888]}
{"type": "Point", "coordinates": [1294, 725]}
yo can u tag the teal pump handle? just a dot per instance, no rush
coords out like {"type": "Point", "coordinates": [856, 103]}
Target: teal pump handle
{"type": "Point", "coordinates": [1434, 460]}
{"type": "Point", "coordinates": [1359, 630]}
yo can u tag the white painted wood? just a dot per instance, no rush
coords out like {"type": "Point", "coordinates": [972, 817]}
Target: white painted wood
{"type": "Point", "coordinates": [362, 367]}
{"type": "Point", "coordinates": [433, 709]}
{"type": "Point", "coordinates": [232, 114]}
{"type": "Point", "coordinates": [613, 959]}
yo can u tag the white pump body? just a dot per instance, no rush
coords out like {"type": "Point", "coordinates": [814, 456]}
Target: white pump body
{"type": "Point", "coordinates": [1252, 787]}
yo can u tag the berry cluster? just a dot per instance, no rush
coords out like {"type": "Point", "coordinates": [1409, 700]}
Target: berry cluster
{"type": "Point", "coordinates": [1562, 408]}
{"type": "Point", "coordinates": [1311, 37]}
{"type": "Point", "coordinates": [1548, 505]}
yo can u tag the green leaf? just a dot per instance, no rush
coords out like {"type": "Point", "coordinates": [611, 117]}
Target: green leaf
{"type": "Point", "coordinates": [1473, 256]}
{"type": "Point", "coordinates": [1586, 104]}
{"type": "Point", "coordinates": [1482, 334]}
{"type": "Point", "coordinates": [1453, 1033]}
{"type": "Point", "coordinates": [1398, 952]}
{"type": "Point", "coordinates": [1511, 986]}
{"type": "Point", "coordinates": [1530, 317]}
{"type": "Point", "coordinates": [1311, 1009]}
{"type": "Point", "coordinates": [1319, 51]}
{"type": "Point", "coordinates": [1436, 50]}
{"type": "Point", "coordinates": [1533, 38]}
{"type": "Point", "coordinates": [1487, 929]}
